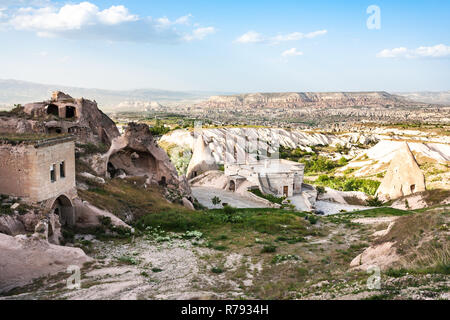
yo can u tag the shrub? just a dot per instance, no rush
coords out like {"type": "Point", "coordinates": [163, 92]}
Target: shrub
{"type": "Point", "coordinates": [374, 202]}
{"type": "Point", "coordinates": [269, 249]}
{"type": "Point", "coordinates": [217, 270]}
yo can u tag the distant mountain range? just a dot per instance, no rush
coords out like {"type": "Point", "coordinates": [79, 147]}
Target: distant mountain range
{"type": "Point", "coordinates": [437, 97]}
{"type": "Point", "coordinates": [22, 92]}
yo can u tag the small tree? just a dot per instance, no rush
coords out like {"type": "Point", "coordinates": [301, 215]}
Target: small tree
{"type": "Point", "coordinates": [216, 200]}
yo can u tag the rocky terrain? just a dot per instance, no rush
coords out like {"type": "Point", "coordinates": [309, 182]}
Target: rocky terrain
{"type": "Point", "coordinates": [141, 234]}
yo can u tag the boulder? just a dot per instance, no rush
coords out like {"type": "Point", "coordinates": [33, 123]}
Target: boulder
{"type": "Point", "coordinates": [187, 204]}
{"type": "Point", "coordinates": [11, 225]}
{"type": "Point", "coordinates": [403, 176]}
{"type": "Point", "coordinates": [23, 259]}
{"type": "Point", "coordinates": [89, 215]}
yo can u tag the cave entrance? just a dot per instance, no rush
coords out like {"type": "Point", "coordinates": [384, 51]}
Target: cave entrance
{"type": "Point", "coordinates": [53, 109]}
{"type": "Point", "coordinates": [70, 112]}
{"type": "Point", "coordinates": [232, 186]}
{"type": "Point", "coordinates": [55, 130]}
{"type": "Point", "coordinates": [63, 208]}
{"type": "Point", "coordinates": [413, 188]}
{"type": "Point", "coordinates": [111, 170]}
{"type": "Point", "coordinates": [163, 182]}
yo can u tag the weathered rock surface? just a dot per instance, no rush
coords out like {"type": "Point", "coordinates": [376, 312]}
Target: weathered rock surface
{"type": "Point", "coordinates": [11, 225]}
{"type": "Point", "coordinates": [304, 99]}
{"type": "Point", "coordinates": [23, 259]}
{"type": "Point", "coordinates": [202, 159]}
{"type": "Point", "coordinates": [403, 176]}
{"type": "Point", "coordinates": [382, 256]}
{"type": "Point", "coordinates": [89, 216]}
{"type": "Point", "coordinates": [137, 154]}
{"type": "Point", "coordinates": [62, 114]}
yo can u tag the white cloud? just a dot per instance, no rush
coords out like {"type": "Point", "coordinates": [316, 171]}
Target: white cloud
{"type": "Point", "coordinates": [255, 37]}
{"type": "Point", "coordinates": [316, 34]}
{"type": "Point", "coordinates": [200, 33]}
{"type": "Point", "coordinates": [437, 51]}
{"type": "Point", "coordinates": [69, 17]}
{"type": "Point", "coordinates": [115, 15]}
{"type": "Point", "coordinates": [86, 20]}
{"type": "Point", "coordinates": [165, 22]}
{"type": "Point", "coordinates": [251, 37]}
{"type": "Point", "coordinates": [2, 14]}
{"type": "Point", "coordinates": [292, 53]}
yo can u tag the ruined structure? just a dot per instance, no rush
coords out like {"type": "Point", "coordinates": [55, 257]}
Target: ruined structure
{"type": "Point", "coordinates": [403, 176]}
{"type": "Point", "coordinates": [136, 153]}
{"type": "Point", "coordinates": [63, 114]}
{"type": "Point", "coordinates": [40, 170]}
{"type": "Point", "coordinates": [277, 177]}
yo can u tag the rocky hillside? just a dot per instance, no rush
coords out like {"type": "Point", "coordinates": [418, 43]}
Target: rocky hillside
{"type": "Point", "coordinates": [306, 99]}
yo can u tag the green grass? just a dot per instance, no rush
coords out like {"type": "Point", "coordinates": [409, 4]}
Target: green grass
{"type": "Point", "coordinates": [367, 186]}
{"type": "Point", "coordinates": [269, 197]}
{"type": "Point", "coordinates": [262, 220]}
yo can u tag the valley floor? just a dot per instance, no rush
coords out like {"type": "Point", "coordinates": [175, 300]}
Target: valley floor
{"type": "Point", "coordinates": [296, 259]}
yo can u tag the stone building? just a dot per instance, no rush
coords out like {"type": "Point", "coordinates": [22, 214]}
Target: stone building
{"type": "Point", "coordinates": [63, 114]}
{"type": "Point", "coordinates": [278, 177]}
{"type": "Point", "coordinates": [40, 169]}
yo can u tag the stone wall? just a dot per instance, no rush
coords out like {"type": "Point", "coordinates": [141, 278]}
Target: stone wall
{"type": "Point", "coordinates": [25, 170]}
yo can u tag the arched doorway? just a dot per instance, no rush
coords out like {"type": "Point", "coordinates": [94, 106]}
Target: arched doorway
{"type": "Point", "coordinates": [232, 186]}
{"type": "Point", "coordinates": [63, 208]}
{"type": "Point", "coordinates": [53, 109]}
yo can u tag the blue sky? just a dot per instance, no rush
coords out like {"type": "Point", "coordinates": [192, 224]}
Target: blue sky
{"type": "Point", "coordinates": [227, 46]}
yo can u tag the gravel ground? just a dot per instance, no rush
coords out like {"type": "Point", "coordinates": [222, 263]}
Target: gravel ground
{"type": "Point", "coordinates": [205, 194]}
{"type": "Point", "coordinates": [329, 208]}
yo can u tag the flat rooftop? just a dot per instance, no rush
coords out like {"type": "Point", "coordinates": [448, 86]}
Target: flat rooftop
{"type": "Point", "coordinates": [36, 139]}
{"type": "Point", "coordinates": [273, 166]}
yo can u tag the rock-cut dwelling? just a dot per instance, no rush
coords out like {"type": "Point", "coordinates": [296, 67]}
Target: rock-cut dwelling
{"type": "Point", "coordinates": [40, 171]}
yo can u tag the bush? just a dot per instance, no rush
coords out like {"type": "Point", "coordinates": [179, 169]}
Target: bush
{"type": "Point", "coordinates": [216, 270]}
{"type": "Point", "coordinates": [374, 202]}
{"type": "Point", "coordinates": [269, 249]}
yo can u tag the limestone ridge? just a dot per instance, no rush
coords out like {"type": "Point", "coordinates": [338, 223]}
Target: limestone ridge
{"type": "Point", "coordinates": [403, 176]}
{"type": "Point", "coordinates": [305, 99]}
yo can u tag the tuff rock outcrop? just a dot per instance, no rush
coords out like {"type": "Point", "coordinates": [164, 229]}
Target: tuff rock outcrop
{"type": "Point", "coordinates": [136, 153]}
{"type": "Point", "coordinates": [202, 159]}
{"type": "Point", "coordinates": [24, 258]}
{"type": "Point", "coordinates": [62, 114]}
{"type": "Point", "coordinates": [403, 176]}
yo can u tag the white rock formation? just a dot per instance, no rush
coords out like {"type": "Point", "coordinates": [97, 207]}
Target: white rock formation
{"type": "Point", "coordinates": [23, 259]}
{"type": "Point", "coordinates": [403, 176]}
{"type": "Point", "coordinates": [202, 159]}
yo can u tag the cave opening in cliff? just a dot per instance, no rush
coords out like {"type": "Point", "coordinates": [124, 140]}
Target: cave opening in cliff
{"type": "Point", "coordinates": [53, 109]}
{"type": "Point", "coordinates": [111, 170]}
{"type": "Point", "coordinates": [70, 112]}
